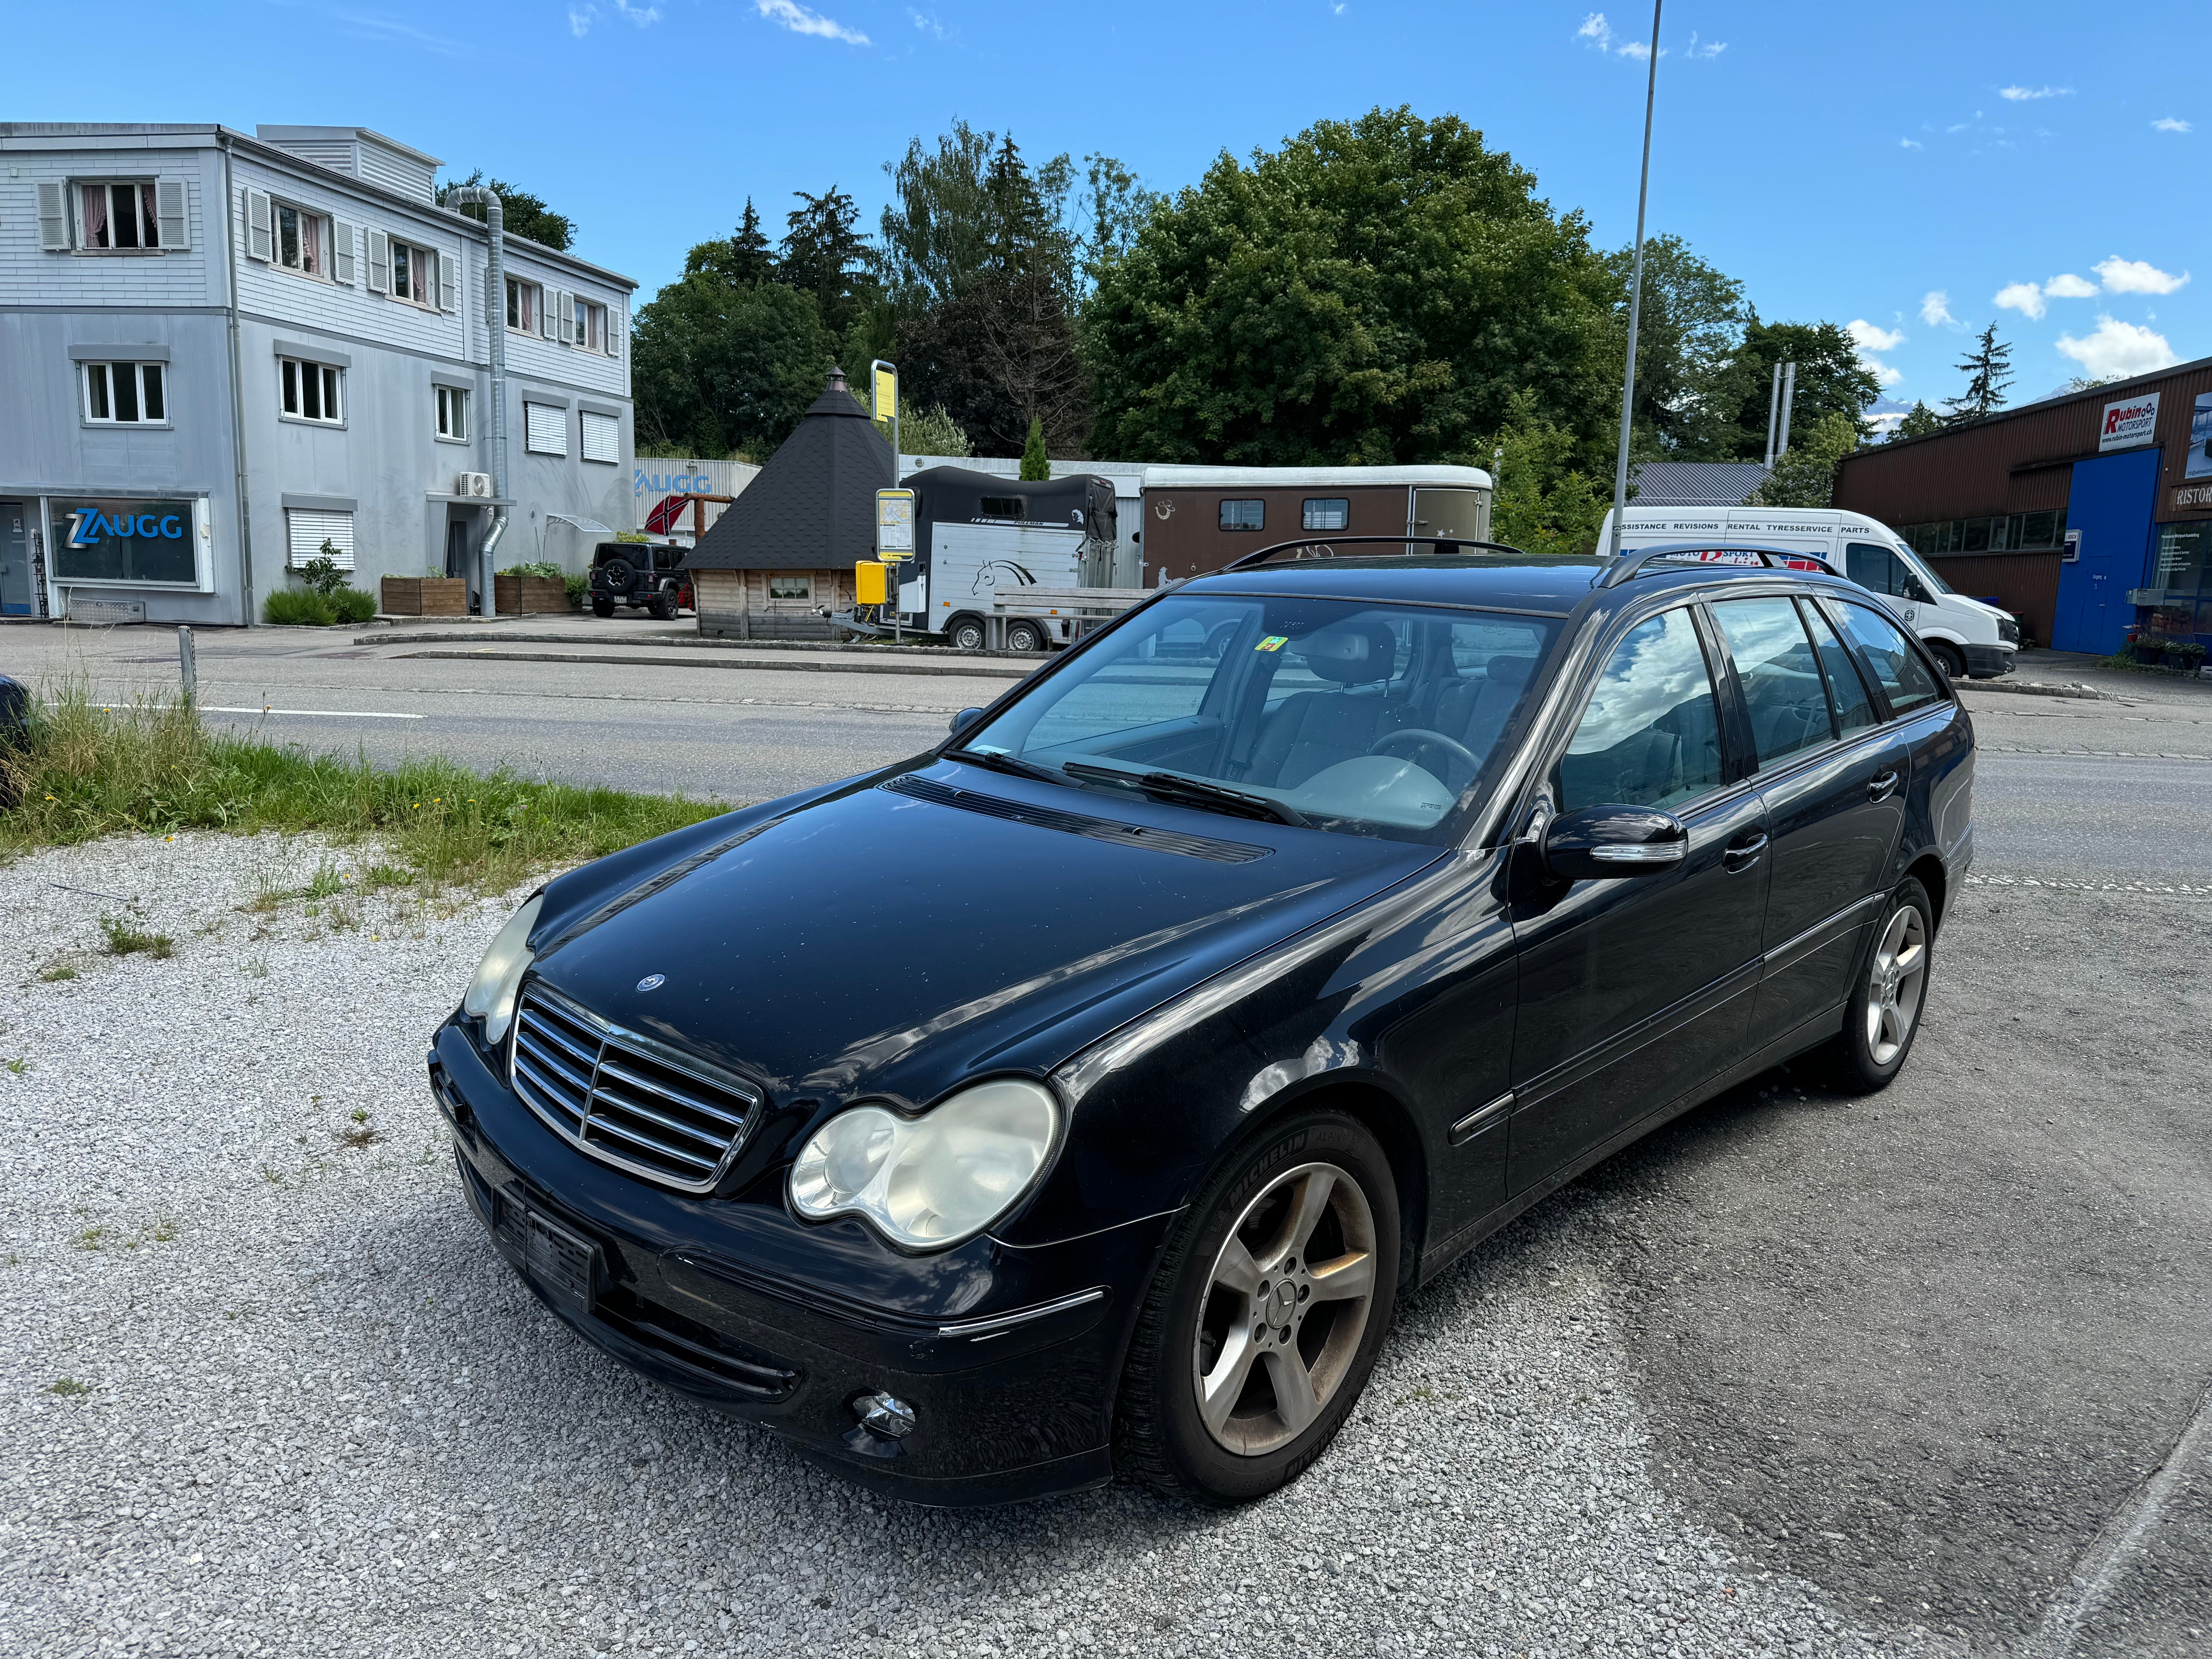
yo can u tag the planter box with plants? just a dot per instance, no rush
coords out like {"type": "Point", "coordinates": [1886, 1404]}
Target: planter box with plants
{"type": "Point", "coordinates": [425, 596]}
{"type": "Point", "coordinates": [531, 589]}
{"type": "Point", "coordinates": [324, 599]}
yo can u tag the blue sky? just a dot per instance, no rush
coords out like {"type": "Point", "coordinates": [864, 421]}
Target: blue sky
{"type": "Point", "coordinates": [1916, 170]}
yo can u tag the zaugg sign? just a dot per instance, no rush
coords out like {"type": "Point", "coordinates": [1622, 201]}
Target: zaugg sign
{"type": "Point", "coordinates": [116, 539]}
{"type": "Point", "coordinates": [89, 525]}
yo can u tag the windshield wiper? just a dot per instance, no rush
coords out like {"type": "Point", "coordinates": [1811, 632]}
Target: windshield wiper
{"type": "Point", "coordinates": [1191, 792]}
{"type": "Point", "coordinates": [1010, 764]}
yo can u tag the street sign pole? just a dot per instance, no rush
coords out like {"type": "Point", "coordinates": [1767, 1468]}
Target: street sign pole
{"type": "Point", "coordinates": [882, 398]}
{"type": "Point", "coordinates": [1635, 295]}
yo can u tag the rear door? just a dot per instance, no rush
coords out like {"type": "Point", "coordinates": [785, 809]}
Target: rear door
{"type": "Point", "coordinates": [1833, 781]}
{"type": "Point", "coordinates": [1636, 991]}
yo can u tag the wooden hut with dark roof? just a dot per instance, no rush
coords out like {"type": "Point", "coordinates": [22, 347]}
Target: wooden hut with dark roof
{"type": "Point", "coordinates": [784, 551]}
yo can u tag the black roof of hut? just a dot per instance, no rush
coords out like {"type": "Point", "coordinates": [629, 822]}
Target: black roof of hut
{"type": "Point", "coordinates": [813, 506]}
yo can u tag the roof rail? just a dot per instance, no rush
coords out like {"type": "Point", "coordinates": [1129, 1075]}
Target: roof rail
{"type": "Point", "coordinates": [1448, 545]}
{"type": "Point", "coordinates": [1632, 564]}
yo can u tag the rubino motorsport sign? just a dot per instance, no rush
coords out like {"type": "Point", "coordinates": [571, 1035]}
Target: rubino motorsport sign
{"type": "Point", "coordinates": [120, 540]}
{"type": "Point", "coordinates": [2129, 423]}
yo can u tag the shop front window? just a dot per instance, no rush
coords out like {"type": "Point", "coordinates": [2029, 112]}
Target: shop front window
{"type": "Point", "coordinates": [125, 540]}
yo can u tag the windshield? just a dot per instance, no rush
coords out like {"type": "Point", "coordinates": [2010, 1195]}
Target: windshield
{"type": "Point", "coordinates": [1348, 716]}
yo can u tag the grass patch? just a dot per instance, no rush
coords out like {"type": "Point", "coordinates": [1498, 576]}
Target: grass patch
{"type": "Point", "coordinates": [151, 768]}
{"type": "Point", "coordinates": [58, 971]}
{"type": "Point", "coordinates": [124, 940]}
{"type": "Point", "coordinates": [67, 1388]}
{"type": "Point", "coordinates": [20, 1064]}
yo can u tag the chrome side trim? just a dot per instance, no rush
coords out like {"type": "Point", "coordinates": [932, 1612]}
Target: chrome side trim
{"type": "Point", "coordinates": [1021, 1315]}
{"type": "Point", "coordinates": [1814, 937]}
{"type": "Point", "coordinates": [1464, 1129]}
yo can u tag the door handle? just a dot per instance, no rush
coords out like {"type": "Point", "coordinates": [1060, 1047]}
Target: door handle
{"type": "Point", "coordinates": [1881, 785]}
{"type": "Point", "coordinates": [1743, 852]}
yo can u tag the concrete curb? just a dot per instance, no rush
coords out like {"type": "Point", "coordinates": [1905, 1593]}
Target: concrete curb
{"type": "Point", "coordinates": [909, 670]}
{"type": "Point", "coordinates": [2030, 689]}
{"type": "Point", "coordinates": [694, 642]}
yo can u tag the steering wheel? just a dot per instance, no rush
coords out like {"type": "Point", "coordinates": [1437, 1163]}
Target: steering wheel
{"type": "Point", "coordinates": [1420, 734]}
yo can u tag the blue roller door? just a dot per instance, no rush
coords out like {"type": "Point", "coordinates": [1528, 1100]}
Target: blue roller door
{"type": "Point", "coordinates": [2109, 503]}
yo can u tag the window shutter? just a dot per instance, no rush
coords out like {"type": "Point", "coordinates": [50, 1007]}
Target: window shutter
{"type": "Point", "coordinates": [169, 214]}
{"type": "Point", "coordinates": [546, 322]}
{"type": "Point", "coordinates": [568, 318]}
{"type": "Point", "coordinates": [380, 262]}
{"type": "Point", "coordinates": [341, 252]}
{"type": "Point", "coordinates": [544, 429]}
{"type": "Point", "coordinates": [306, 532]}
{"type": "Point", "coordinates": [448, 283]}
{"type": "Point", "coordinates": [259, 244]}
{"type": "Point", "coordinates": [602, 435]}
{"type": "Point", "coordinates": [614, 339]}
{"type": "Point", "coordinates": [53, 218]}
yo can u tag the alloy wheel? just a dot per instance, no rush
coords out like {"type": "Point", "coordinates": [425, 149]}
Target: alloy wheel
{"type": "Point", "coordinates": [1288, 1299]}
{"type": "Point", "coordinates": [1895, 980]}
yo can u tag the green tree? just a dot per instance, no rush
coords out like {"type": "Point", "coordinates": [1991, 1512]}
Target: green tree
{"type": "Point", "coordinates": [1831, 380]}
{"type": "Point", "coordinates": [1542, 498]}
{"type": "Point", "coordinates": [718, 365]}
{"type": "Point", "coordinates": [822, 254]}
{"type": "Point", "coordinates": [521, 213]}
{"type": "Point", "coordinates": [750, 258]}
{"type": "Point", "coordinates": [1988, 369]}
{"type": "Point", "coordinates": [1805, 476]}
{"type": "Point", "coordinates": [1036, 466]}
{"type": "Point", "coordinates": [931, 431]}
{"type": "Point", "coordinates": [1374, 291]}
{"type": "Point", "coordinates": [1919, 420]}
{"type": "Point", "coordinates": [1691, 326]}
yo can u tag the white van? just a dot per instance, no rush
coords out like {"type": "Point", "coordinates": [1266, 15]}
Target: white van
{"type": "Point", "coordinates": [1967, 636]}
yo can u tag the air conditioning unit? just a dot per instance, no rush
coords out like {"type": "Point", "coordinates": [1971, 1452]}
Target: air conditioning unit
{"type": "Point", "coordinates": [475, 483]}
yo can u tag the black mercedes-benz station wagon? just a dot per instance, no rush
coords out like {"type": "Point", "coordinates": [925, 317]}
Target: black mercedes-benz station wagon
{"type": "Point", "coordinates": [1084, 1093]}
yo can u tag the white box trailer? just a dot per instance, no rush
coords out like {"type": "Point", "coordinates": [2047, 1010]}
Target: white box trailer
{"type": "Point", "coordinates": [970, 565]}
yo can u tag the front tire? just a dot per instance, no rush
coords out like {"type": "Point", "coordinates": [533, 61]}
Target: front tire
{"type": "Point", "coordinates": [1954, 662]}
{"type": "Point", "coordinates": [966, 634]}
{"type": "Point", "coordinates": [1889, 988]}
{"type": "Point", "coordinates": [1263, 1321]}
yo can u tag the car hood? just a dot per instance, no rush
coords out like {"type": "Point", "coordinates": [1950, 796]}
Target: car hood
{"type": "Point", "coordinates": [895, 937]}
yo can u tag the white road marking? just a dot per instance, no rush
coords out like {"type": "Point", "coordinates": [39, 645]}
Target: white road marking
{"type": "Point", "coordinates": [2186, 889]}
{"type": "Point", "coordinates": [318, 713]}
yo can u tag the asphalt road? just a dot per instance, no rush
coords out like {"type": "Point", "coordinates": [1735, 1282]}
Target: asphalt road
{"type": "Point", "coordinates": [1943, 1352]}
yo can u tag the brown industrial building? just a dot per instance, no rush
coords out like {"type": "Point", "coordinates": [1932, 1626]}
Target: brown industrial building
{"type": "Point", "coordinates": [2087, 516]}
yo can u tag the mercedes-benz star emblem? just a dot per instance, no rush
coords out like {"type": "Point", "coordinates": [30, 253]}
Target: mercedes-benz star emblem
{"type": "Point", "coordinates": [652, 981]}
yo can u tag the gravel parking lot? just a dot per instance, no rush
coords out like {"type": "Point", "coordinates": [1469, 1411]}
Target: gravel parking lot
{"type": "Point", "coordinates": [1797, 1376]}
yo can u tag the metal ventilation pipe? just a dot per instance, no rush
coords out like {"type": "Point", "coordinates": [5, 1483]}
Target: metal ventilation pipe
{"type": "Point", "coordinates": [495, 332]}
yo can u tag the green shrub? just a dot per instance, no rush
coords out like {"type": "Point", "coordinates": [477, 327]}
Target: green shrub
{"type": "Point", "coordinates": [298, 608]}
{"type": "Point", "coordinates": [323, 575]}
{"type": "Point", "coordinates": [580, 589]}
{"type": "Point", "coordinates": [353, 605]}
{"type": "Point", "coordinates": [544, 567]}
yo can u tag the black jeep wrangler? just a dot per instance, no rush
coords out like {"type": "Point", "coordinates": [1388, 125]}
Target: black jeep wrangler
{"type": "Point", "coordinates": [640, 577]}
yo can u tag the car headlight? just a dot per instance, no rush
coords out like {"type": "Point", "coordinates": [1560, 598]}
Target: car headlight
{"type": "Point", "coordinates": [499, 976]}
{"type": "Point", "coordinates": [929, 1182]}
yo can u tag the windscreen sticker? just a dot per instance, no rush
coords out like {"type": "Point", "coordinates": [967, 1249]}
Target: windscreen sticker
{"type": "Point", "coordinates": [1272, 642]}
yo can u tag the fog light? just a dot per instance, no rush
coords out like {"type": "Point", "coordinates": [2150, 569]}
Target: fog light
{"type": "Point", "coordinates": [885, 1415]}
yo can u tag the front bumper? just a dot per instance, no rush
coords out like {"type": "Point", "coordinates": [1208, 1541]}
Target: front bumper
{"type": "Point", "coordinates": [1012, 1357]}
{"type": "Point", "coordinates": [1986, 662]}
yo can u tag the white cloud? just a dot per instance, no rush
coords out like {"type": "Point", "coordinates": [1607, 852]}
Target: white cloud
{"type": "Point", "coordinates": [1936, 309]}
{"type": "Point", "coordinates": [1705, 49]}
{"type": "Point", "coordinates": [2136, 276]}
{"type": "Point", "coordinates": [928, 22]}
{"type": "Point", "coordinates": [641, 16]}
{"type": "Point", "coordinates": [2025, 95]}
{"type": "Point", "coordinates": [2067, 286]}
{"type": "Point", "coordinates": [1869, 338]}
{"type": "Point", "coordinates": [2169, 123]}
{"type": "Point", "coordinates": [799, 21]}
{"type": "Point", "coordinates": [580, 18]}
{"type": "Point", "coordinates": [1911, 144]}
{"type": "Point", "coordinates": [1887, 422]}
{"type": "Point", "coordinates": [2023, 297]}
{"type": "Point", "coordinates": [2115, 348]}
{"type": "Point", "coordinates": [1597, 33]}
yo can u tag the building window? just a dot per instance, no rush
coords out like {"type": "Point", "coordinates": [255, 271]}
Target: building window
{"type": "Point", "coordinates": [126, 394]}
{"type": "Point", "coordinates": [602, 438]}
{"type": "Point", "coordinates": [1327, 513]}
{"type": "Point", "coordinates": [303, 240]}
{"type": "Point", "coordinates": [413, 274]}
{"type": "Point", "coordinates": [1245, 515]}
{"type": "Point", "coordinates": [311, 392]}
{"type": "Point", "coordinates": [2015, 532]}
{"type": "Point", "coordinates": [118, 216]}
{"type": "Point", "coordinates": [790, 586]}
{"type": "Point", "coordinates": [523, 300]}
{"type": "Point", "coordinates": [452, 413]}
{"type": "Point", "coordinates": [587, 325]}
{"type": "Point", "coordinates": [318, 535]}
{"type": "Point", "coordinates": [116, 539]}
{"type": "Point", "coordinates": [544, 428]}
{"type": "Point", "coordinates": [1003, 506]}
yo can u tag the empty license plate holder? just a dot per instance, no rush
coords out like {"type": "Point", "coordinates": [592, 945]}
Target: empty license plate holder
{"type": "Point", "coordinates": [562, 1265]}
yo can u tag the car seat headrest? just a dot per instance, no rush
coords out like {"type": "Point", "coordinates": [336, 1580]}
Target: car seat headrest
{"type": "Point", "coordinates": [1511, 673]}
{"type": "Point", "coordinates": [1351, 653]}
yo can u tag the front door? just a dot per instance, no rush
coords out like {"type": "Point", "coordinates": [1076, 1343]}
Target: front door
{"type": "Point", "coordinates": [2109, 503]}
{"type": "Point", "coordinates": [16, 598]}
{"type": "Point", "coordinates": [1636, 991]}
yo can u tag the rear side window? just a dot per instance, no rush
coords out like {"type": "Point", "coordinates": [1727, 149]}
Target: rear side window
{"type": "Point", "coordinates": [1874, 568]}
{"type": "Point", "coordinates": [1847, 692]}
{"type": "Point", "coordinates": [1782, 691]}
{"type": "Point", "coordinates": [1245, 515]}
{"type": "Point", "coordinates": [1903, 677]}
{"type": "Point", "coordinates": [1650, 735]}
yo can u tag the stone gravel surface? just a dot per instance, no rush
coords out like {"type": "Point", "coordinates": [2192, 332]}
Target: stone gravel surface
{"type": "Point", "coordinates": [268, 1390]}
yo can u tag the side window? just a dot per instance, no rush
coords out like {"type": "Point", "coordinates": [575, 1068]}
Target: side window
{"type": "Point", "coordinates": [1650, 735]}
{"type": "Point", "coordinates": [1245, 515]}
{"type": "Point", "coordinates": [1903, 677]}
{"type": "Point", "coordinates": [1783, 692]}
{"type": "Point", "coordinates": [1847, 692]}
{"type": "Point", "coordinates": [1872, 567]}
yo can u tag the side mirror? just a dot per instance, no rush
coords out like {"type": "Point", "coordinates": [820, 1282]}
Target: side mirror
{"type": "Point", "coordinates": [1602, 843]}
{"type": "Point", "coordinates": [961, 721]}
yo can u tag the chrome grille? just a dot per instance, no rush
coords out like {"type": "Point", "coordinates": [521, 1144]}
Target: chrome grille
{"type": "Point", "coordinates": [625, 1098]}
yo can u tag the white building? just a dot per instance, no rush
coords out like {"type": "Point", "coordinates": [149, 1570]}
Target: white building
{"type": "Point", "coordinates": [219, 352]}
